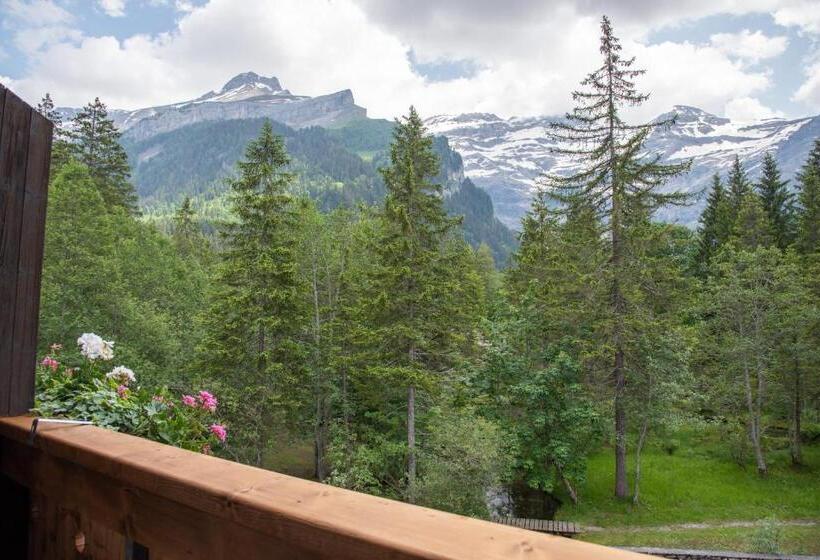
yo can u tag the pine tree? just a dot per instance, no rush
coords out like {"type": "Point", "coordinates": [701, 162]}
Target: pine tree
{"type": "Point", "coordinates": [614, 172]}
{"type": "Point", "coordinates": [739, 185]}
{"type": "Point", "coordinates": [253, 322]}
{"type": "Point", "coordinates": [715, 224]}
{"type": "Point", "coordinates": [60, 149]}
{"type": "Point", "coordinates": [778, 202]}
{"type": "Point", "coordinates": [808, 202]}
{"type": "Point", "coordinates": [46, 108]}
{"type": "Point", "coordinates": [411, 313]}
{"type": "Point", "coordinates": [95, 143]}
{"type": "Point", "coordinates": [187, 234]}
{"type": "Point", "coordinates": [752, 228]}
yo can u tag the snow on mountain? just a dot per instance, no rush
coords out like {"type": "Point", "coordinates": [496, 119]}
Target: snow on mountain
{"type": "Point", "coordinates": [507, 156]}
{"type": "Point", "coordinates": [245, 96]}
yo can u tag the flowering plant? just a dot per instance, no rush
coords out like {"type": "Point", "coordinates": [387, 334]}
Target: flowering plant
{"type": "Point", "coordinates": [110, 397]}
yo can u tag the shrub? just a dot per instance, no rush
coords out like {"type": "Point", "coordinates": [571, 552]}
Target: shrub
{"type": "Point", "coordinates": [669, 446]}
{"type": "Point", "coordinates": [111, 398]}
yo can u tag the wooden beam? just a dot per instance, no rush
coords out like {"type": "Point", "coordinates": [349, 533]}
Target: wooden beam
{"type": "Point", "coordinates": [25, 153]}
{"type": "Point", "coordinates": [170, 497]}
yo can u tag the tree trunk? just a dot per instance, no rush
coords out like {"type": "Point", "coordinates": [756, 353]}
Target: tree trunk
{"type": "Point", "coordinates": [411, 445]}
{"type": "Point", "coordinates": [319, 441]}
{"type": "Point", "coordinates": [636, 496]}
{"type": "Point", "coordinates": [621, 484]}
{"type": "Point", "coordinates": [754, 421]}
{"type": "Point", "coordinates": [797, 412]}
{"type": "Point", "coordinates": [319, 421]}
{"type": "Point", "coordinates": [618, 302]}
{"type": "Point", "coordinates": [573, 495]}
{"type": "Point", "coordinates": [619, 372]}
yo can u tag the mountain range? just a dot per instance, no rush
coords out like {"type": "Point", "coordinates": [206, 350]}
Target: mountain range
{"type": "Point", "coordinates": [507, 156]}
{"type": "Point", "coordinates": [189, 147]}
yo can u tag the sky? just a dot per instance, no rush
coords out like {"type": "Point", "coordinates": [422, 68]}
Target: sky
{"type": "Point", "coordinates": [745, 59]}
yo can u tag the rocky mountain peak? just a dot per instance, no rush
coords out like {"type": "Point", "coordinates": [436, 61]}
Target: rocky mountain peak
{"type": "Point", "coordinates": [251, 79]}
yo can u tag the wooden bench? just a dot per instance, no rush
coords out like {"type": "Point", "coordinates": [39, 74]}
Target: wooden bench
{"type": "Point", "coordinates": [563, 528]}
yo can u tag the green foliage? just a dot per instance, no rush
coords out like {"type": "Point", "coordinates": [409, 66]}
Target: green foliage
{"type": "Point", "coordinates": [620, 185]}
{"type": "Point", "coordinates": [752, 227]}
{"type": "Point", "coordinates": [739, 185]}
{"type": "Point", "coordinates": [254, 315]}
{"type": "Point", "coordinates": [329, 168]}
{"type": "Point", "coordinates": [103, 271]}
{"type": "Point", "coordinates": [778, 202]}
{"type": "Point", "coordinates": [60, 147]}
{"type": "Point", "coordinates": [113, 400]}
{"type": "Point", "coordinates": [555, 424]}
{"type": "Point", "coordinates": [95, 144]}
{"type": "Point", "coordinates": [716, 223]}
{"type": "Point", "coordinates": [463, 455]}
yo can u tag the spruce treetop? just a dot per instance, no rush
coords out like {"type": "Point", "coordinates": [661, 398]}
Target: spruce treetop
{"type": "Point", "coordinates": [610, 149]}
{"type": "Point", "coordinates": [778, 202]}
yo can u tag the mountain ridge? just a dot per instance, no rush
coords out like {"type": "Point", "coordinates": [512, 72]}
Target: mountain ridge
{"type": "Point", "coordinates": [507, 156]}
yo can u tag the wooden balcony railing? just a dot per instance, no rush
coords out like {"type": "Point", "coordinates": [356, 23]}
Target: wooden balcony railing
{"type": "Point", "coordinates": [99, 491]}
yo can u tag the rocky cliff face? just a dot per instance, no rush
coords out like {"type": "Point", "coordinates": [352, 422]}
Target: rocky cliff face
{"type": "Point", "coordinates": [507, 156]}
{"type": "Point", "coordinates": [245, 96]}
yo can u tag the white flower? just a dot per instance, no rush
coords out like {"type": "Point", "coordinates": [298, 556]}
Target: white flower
{"type": "Point", "coordinates": [93, 347]}
{"type": "Point", "coordinates": [121, 374]}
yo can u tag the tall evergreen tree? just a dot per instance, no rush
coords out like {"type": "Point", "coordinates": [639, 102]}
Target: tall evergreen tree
{"type": "Point", "coordinates": [739, 185]}
{"type": "Point", "coordinates": [808, 202]}
{"type": "Point", "coordinates": [46, 108]}
{"type": "Point", "coordinates": [752, 228]}
{"type": "Point", "coordinates": [253, 323]}
{"type": "Point", "coordinates": [95, 143]}
{"type": "Point", "coordinates": [412, 319]}
{"type": "Point", "coordinates": [778, 202]}
{"type": "Point", "coordinates": [60, 149]}
{"type": "Point", "coordinates": [614, 172]}
{"type": "Point", "coordinates": [187, 234]}
{"type": "Point", "coordinates": [715, 224]}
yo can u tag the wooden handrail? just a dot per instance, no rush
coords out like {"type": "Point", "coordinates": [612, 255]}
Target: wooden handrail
{"type": "Point", "coordinates": [188, 505]}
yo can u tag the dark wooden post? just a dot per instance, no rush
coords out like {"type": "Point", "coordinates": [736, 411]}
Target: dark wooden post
{"type": "Point", "coordinates": [25, 154]}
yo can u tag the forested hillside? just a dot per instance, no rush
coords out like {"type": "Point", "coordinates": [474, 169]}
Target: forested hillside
{"type": "Point", "coordinates": [339, 319]}
{"type": "Point", "coordinates": [335, 167]}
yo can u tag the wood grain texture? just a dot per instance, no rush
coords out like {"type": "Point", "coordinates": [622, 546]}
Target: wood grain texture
{"type": "Point", "coordinates": [178, 500]}
{"type": "Point", "coordinates": [30, 264]}
{"type": "Point", "coordinates": [25, 153]}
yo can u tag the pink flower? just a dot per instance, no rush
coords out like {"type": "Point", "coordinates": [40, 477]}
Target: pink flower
{"type": "Point", "coordinates": [188, 400]}
{"type": "Point", "coordinates": [219, 431]}
{"type": "Point", "coordinates": [122, 391]}
{"type": "Point", "coordinates": [50, 362]}
{"type": "Point", "coordinates": [208, 401]}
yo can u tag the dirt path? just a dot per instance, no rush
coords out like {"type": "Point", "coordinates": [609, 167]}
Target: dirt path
{"type": "Point", "coordinates": [685, 526]}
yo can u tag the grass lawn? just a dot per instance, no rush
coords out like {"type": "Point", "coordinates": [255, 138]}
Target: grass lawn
{"type": "Point", "coordinates": [699, 483]}
{"type": "Point", "coordinates": [796, 540]}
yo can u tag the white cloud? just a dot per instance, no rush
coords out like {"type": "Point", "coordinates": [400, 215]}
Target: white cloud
{"type": "Point", "coordinates": [804, 14]}
{"type": "Point", "coordinates": [809, 91]}
{"type": "Point", "coordinates": [35, 12]}
{"type": "Point", "coordinates": [531, 55]}
{"type": "Point", "coordinates": [749, 109]}
{"type": "Point", "coordinates": [113, 8]}
{"type": "Point", "coordinates": [752, 47]}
